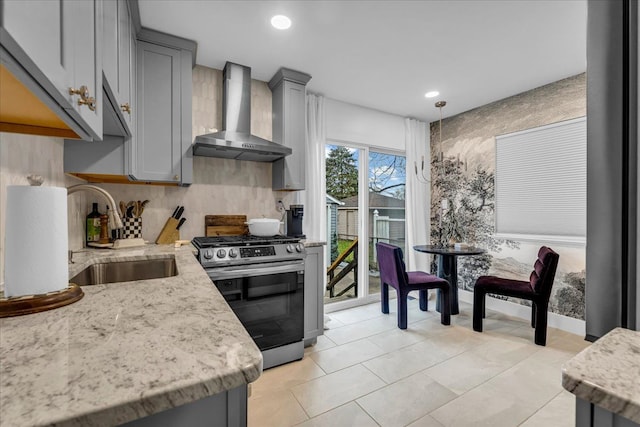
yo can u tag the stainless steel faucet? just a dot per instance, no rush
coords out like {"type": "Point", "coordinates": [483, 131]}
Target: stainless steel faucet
{"type": "Point", "coordinates": [114, 219]}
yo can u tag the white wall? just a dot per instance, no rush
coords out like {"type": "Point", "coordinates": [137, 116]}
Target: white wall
{"type": "Point", "coordinates": [352, 123]}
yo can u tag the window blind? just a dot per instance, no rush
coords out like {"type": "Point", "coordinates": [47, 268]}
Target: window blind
{"type": "Point", "coordinates": [541, 181]}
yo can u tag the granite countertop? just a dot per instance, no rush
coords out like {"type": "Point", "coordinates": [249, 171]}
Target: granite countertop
{"type": "Point", "coordinates": [126, 350]}
{"type": "Point", "coordinates": [313, 243]}
{"type": "Point", "coordinates": [607, 373]}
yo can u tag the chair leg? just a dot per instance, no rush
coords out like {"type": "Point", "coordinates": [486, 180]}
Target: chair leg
{"type": "Point", "coordinates": [478, 309]}
{"type": "Point", "coordinates": [424, 300]}
{"type": "Point", "coordinates": [384, 298]}
{"type": "Point", "coordinates": [533, 314]}
{"type": "Point", "coordinates": [541, 324]}
{"type": "Point", "coordinates": [445, 314]}
{"type": "Point", "coordinates": [402, 310]}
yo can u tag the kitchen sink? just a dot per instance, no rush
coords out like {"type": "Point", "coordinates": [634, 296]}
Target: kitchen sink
{"type": "Point", "coordinates": [125, 271]}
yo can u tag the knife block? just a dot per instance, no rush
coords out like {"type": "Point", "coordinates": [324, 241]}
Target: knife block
{"type": "Point", "coordinates": [169, 234]}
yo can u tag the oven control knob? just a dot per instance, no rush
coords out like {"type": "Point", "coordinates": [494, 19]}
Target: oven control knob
{"type": "Point", "coordinates": [299, 247]}
{"type": "Point", "coordinates": [221, 253]}
{"type": "Point", "coordinates": [290, 248]}
{"type": "Point", "coordinates": [207, 254]}
{"type": "Point", "coordinates": [233, 253]}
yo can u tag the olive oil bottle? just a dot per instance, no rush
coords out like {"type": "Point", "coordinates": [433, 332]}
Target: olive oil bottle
{"type": "Point", "coordinates": [93, 225]}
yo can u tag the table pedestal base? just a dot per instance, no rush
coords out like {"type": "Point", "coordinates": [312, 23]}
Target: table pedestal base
{"type": "Point", "coordinates": [448, 270]}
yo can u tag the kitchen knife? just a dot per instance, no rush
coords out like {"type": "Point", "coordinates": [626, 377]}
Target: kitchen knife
{"type": "Point", "coordinates": [182, 221]}
{"type": "Point", "coordinates": [179, 214]}
{"type": "Point", "coordinates": [173, 215]}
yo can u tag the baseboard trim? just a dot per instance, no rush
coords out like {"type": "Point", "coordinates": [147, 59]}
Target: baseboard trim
{"type": "Point", "coordinates": [554, 320]}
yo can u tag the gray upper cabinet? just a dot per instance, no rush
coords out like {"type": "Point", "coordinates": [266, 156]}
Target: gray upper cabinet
{"type": "Point", "coordinates": [118, 60]}
{"type": "Point", "coordinates": [163, 135]}
{"type": "Point", "coordinates": [54, 49]}
{"type": "Point", "coordinates": [288, 107]}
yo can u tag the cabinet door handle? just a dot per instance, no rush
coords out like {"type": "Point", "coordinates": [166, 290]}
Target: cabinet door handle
{"type": "Point", "coordinates": [126, 108]}
{"type": "Point", "coordinates": [176, 177]}
{"type": "Point", "coordinates": [89, 102]}
{"type": "Point", "coordinates": [85, 98]}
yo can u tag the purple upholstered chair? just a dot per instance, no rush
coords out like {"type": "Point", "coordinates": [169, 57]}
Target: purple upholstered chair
{"type": "Point", "coordinates": [537, 290]}
{"type": "Point", "coordinates": [393, 273]}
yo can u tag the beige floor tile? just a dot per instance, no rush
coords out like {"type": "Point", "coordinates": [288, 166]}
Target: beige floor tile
{"type": "Point", "coordinates": [406, 361]}
{"type": "Point", "coordinates": [560, 412]}
{"type": "Point", "coordinates": [357, 331]}
{"type": "Point", "coordinates": [286, 376]}
{"type": "Point", "coordinates": [477, 365]}
{"type": "Point", "coordinates": [277, 409]}
{"type": "Point", "coordinates": [349, 415]}
{"type": "Point", "coordinates": [323, 343]}
{"type": "Point", "coordinates": [426, 421]}
{"type": "Point", "coordinates": [328, 392]}
{"type": "Point", "coordinates": [357, 314]}
{"type": "Point", "coordinates": [331, 323]}
{"type": "Point", "coordinates": [397, 338]}
{"type": "Point", "coordinates": [486, 406]}
{"type": "Point", "coordinates": [536, 380]}
{"type": "Point", "coordinates": [349, 354]}
{"type": "Point", "coordinates": [405, 401]}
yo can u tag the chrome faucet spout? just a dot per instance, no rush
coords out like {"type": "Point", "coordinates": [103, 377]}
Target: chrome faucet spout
{"type": "Point", "coordinates": [114, 218]}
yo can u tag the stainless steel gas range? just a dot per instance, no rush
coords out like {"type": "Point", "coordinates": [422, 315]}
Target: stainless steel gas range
{"type": "Point", "coordinates": [262, 280]}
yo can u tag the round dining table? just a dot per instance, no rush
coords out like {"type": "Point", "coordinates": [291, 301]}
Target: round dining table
{"type": "Point", "coordinates": [448, 268]}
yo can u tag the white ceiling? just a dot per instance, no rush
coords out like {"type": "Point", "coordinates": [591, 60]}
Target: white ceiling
{"type": "Point", "coordinates": [387, 54]}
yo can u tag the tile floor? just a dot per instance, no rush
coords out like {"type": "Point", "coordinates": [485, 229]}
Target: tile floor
{"type": "Point", "coordinates": [366, 372]}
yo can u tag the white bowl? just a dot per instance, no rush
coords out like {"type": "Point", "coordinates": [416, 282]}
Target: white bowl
{"type": "Point", "coordinates": [264, 227]}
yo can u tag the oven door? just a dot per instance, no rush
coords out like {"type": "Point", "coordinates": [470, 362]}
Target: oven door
{"type": "Point", "coordinates": [267, 298]}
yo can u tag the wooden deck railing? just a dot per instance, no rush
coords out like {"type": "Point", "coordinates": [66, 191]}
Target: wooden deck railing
{"type": "Point", "coordinates": [333, 279]}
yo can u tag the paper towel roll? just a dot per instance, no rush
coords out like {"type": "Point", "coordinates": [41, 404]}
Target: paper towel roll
{"type": "Point", "coordinates": [36, 240]}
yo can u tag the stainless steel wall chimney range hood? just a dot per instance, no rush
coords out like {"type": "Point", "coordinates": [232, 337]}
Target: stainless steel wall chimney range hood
{"type": "Point", "coordinates": [235, 141]}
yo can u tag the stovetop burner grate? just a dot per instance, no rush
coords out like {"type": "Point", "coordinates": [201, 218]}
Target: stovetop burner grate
{"type": "Point", "coordinates": [246, 240]}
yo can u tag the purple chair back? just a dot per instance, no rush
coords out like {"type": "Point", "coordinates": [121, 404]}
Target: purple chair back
{"type": "Point", "coordinates": [544, 271]}
{"type": "Point", "coordinates": [391, 266]}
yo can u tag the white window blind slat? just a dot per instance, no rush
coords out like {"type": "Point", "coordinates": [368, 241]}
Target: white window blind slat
{"type": "Point", "coordinates": [541, 180]}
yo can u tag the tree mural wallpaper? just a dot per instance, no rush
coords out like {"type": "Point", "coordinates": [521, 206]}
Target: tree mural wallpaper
{"type": "Point", "coordinates": [462, 171]}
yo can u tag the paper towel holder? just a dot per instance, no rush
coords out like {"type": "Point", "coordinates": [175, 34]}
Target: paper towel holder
{"type": "Point", "coordinates": [28, 304]}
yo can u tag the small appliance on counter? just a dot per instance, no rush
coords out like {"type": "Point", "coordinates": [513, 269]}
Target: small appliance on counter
{"type": "Point", "coordinates": [294, 221]}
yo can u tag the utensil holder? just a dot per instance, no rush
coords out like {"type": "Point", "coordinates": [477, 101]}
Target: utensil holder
{"type": "Point", "coordinates": [132, 228]}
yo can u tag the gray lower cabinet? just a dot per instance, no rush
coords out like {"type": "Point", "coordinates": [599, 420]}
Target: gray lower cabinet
{"type": "Point", "coordinates": [226, 409]}
{"type": "Point", "coordinates": [54, 49]}
{"type": "Point", "coordinates": [313, 294]}
{"type": "Point", "coordinates": [289, 127]}
{"type": "Point", "coordinates": [590, 415]}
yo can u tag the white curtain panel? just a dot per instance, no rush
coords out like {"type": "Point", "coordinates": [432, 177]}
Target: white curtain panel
{"type": "Point", "coordinates": [418, 199]}
{"type": "Point", "coordinates": [315, 223]}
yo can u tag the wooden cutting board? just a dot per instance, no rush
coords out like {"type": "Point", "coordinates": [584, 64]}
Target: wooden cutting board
{"type": "Point", "coordinates": [225, 225]}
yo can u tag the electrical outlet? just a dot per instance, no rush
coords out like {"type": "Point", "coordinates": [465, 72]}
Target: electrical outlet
{"type": "Point", "coordinates": [280, 206]}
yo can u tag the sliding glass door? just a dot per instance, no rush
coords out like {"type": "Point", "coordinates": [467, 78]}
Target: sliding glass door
{"type": "Point", "coordinates": [353, 230]}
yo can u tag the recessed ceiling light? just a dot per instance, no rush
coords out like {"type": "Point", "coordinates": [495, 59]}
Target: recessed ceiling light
{"type": "Point", "coordinates": [281, 22]}
{"type": "Point", "coordinates": [432, 94]}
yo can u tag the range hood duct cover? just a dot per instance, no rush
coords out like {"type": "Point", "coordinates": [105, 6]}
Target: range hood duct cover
{"type": "Point", "coordinates": [235, 140]}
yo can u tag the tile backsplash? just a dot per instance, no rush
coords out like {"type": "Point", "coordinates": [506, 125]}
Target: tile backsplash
{"type": "Point", "coordinates": [220, 186]}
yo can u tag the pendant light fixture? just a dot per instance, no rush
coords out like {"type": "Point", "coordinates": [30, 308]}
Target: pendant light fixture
{"type": "Point", "coordinates": [421, 176]}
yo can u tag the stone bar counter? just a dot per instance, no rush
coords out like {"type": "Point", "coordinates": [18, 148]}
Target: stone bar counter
{"type": "Point", "coordinates": [605, 378]}
{"type": "Point", "coordinates": [159, 351]}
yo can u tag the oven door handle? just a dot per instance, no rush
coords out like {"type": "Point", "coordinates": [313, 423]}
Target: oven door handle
{"type": "Point", "coordinates": [240, 272]}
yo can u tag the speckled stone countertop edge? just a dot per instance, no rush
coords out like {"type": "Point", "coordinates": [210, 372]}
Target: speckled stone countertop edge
{"type": "Point", "coordinates": [313, 243]}
{"type": "Point", "coordinates": [607, 373]}
{"type": "Point", "coordinates": [225, 362]}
